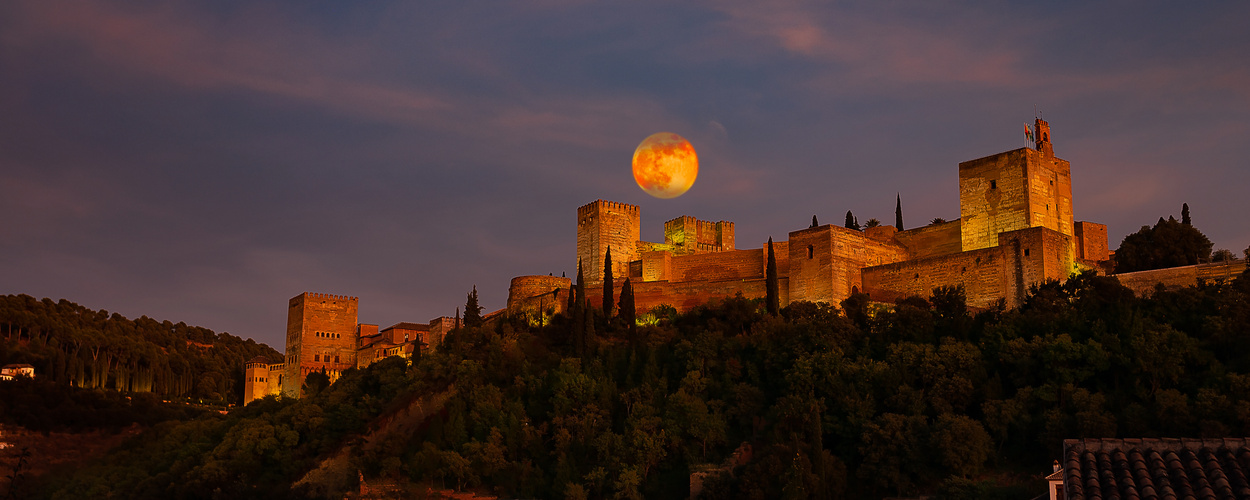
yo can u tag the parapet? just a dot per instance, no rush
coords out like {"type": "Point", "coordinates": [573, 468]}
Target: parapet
{"type": "Point", "coordinates": [326, 296]}
{"type": "Point", "coordinates": [610, 205]}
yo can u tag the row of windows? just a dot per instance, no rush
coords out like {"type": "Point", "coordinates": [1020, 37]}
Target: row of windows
{"type": "Point", "coordinates": [327, 335]}
{"type": "Point", "coordinates": [317, 357]}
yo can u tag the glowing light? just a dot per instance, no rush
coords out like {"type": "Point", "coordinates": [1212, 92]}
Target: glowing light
{"type": "Point", "coordinates": [665, 165]}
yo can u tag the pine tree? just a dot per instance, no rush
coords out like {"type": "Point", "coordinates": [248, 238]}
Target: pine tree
{"type": "Point", "coordinates": [814, 224]}
{"type": "Point", "coordinates": [851, 223]}
{"type": "Point", "coordinates": [607, 283]}
{"type": "Point", "coordinates": [1185, 214]}
{"type": "Point", "coordinates": [627, 311]}
{"type": "Point", "coordinates": [472, 311]}
{"type": "Point", "coordinates": [773, 291]}
{"type": "Point", "coordinates": [898, 211]}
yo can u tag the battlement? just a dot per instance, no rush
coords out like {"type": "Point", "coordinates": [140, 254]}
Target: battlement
{"type": "Point", "coordinates": [690, 235]}
{"type": "Point", "coordinates": [593, 206]}
{"type": "Point", "coordinates": [327, 296]}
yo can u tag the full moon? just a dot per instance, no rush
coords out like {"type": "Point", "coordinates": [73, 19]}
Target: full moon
{"type": "Point", "coordinates": [665, 165]}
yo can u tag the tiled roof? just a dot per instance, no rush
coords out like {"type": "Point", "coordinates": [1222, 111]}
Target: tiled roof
{"type": "Point", "coordinates": [1162, 469]}
{"type": "Point", "coordinates": [408, 326]}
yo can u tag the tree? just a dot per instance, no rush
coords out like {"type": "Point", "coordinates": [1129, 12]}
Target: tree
{"type": "Point", "coordinates": [472, 311]}
{"type": "Point", "coordinates": [814, 224]}
{"type": "Point", "coordinates": [1185, 214]}
{"type": "Point", "coordinates": [851, 221]}
{"type": "Point", "coordinates": [1168, 244]}
{"type": "Point", "coordinates": [1222, 255]}
{"type": "Point", "coordinates": [627, 308]}
{"type": "Point", "coordinates": [872, 223]}
{"type": "Point", "coordinates": [937, 220]}
{"type": "Point", "coordinates": [772, 289]}
{"type": "Point", "coordinates": [898, 211]}
{"type": "Point", "coordinates": [607, 283]}
{"type": "Point", "coordinates": [316, 382]}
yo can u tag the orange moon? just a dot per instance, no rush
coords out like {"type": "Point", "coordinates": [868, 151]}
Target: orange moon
{"type": "Point", "coordinates": [665, 165]}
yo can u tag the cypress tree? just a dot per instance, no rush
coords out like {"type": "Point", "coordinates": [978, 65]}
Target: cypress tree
{"type": "Point", "coordinates": [772, 300]}
{"type": "Point", "coordinates": [577, 315]}
{"type": "Point", "coordinates": [814, 224]}
{"type": "Point", "coordinates": [457, 327]}
{"type": "Point", "coordinates": [627, 311]}
{"type": "Point", "coordinates": [472, 311]}
{"type": "Point", "coordinates": [898, 211]}
{"type": "Point", "coordinates": [1185, 214]}
{"type": "Point", "coordinates": [851, 223]}
{"type": "Point", "coordinates": [607, 283]}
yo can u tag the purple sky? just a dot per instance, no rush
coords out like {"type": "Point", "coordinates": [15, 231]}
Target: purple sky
{"type": "Point", "coordinates": [206, 161]}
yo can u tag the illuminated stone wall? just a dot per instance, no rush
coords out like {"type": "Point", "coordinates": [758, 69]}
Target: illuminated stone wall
{"type": "Point", "coordinates": [825, 261]}
{"type": "Point", "coordinates": [688, 235]}
{"type": "Point", "coordinates": [321, 332]}
{"type": "Point", "coordinates": [1144, 282]}
{"type": "Point", "coordinates": [603, 224]}
{"type": "Point", "coordinates": [686, 295]}
{"type": "Point", "coordinates": [1091, 241]}
{"type": "Point", "coordinates": [717, 266]}
{"type": "Point", "coordinates": [538, 293]}
{"type": "Point", "coordinates": [931, 240]}
{"type": "Point", "coordinates": [981, 272]}
{"type": "Point", "coordinates": [1010, 191]}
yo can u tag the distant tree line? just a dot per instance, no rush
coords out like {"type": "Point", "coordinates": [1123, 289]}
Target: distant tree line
{"type": "Point", "coordinates": [76, 346]}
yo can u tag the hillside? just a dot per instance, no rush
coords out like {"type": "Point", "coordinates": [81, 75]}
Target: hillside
{"type": "Point", "coordinates": [864, 401]}
{"type": "Point", "coordinates": [73, 345]}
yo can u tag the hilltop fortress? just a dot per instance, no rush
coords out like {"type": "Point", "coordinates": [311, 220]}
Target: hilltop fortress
{"type": "Point", "coordinates": [1015, 229]}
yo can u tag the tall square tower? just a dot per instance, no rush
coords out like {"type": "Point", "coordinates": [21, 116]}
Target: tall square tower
{"type": "Point", "coordinates": [321, 333]}
{"type": "Point", "coordinates": [1014, 190]}
{"type": "Point", "coordinates": [602, 225]}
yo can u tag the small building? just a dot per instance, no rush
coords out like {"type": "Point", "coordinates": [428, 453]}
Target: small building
{"type": "Point", "coordinates": [10, 372]}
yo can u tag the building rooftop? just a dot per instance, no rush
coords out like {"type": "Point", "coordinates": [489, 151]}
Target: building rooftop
{"type": "Point", "coordinates": [1156, 468]}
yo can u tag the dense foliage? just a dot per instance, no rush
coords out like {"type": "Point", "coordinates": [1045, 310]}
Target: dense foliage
{"type": "Point", "coordinates": [1168, 244]}
{"type": "Point", "coordinates": [861, 401]}
{"type": "Point", "coordinates": [79, 347]}
{"type": "Point", "coordinates": [40, 404]}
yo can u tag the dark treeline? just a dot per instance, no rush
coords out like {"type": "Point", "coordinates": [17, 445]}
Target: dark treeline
{"type": "Point", "coordinates": [860, 400]}
{"type": "Point", "coordinates": [79, 347]}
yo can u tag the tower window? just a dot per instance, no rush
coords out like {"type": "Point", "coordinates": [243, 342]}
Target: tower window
{"type": "Point", "coordinates": [993, 184]}
{"type": "Point", "coordinates": [1026, 252]}
{"type": "Point", "coordinates": [811, 251]}
{"type": "Point", "coordinates": [317, 357]}
{"type": "Point", "coordinates": [336, 359]}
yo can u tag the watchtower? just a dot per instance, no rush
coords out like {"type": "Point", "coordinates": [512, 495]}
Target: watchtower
{"type": "Point", "coordinates": [1015, 190]}
{"type": "Point", "coordinates": [255, 379]}
{"type": "Point", "coordinates": [321, 334]}
{"type": "Point", "coordinates": [689, 235]}
{"type": "Point", "coordinates": [602, 225]}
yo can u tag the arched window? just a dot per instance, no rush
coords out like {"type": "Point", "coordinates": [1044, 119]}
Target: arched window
{"type": "Point", "coordinates": [811, 251]}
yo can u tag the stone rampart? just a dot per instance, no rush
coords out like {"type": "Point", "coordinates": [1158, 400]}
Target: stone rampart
{"type": "Point", "coordinates": [931, 240]}
{"type": "Point", "coordinates": [538, 293]}
{"type": "Point", "coordinates": [717, 266]}
{"type": "Point", "coordinates": [980, 272]}
{"type": "Point", "coordinates": [1144, 282]}
{"type": "Point", "coordinates": [686, 295]}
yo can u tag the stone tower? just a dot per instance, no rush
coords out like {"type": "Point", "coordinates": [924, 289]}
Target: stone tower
{"type": "Point", "coordinates": [602, 224]}
{"type": "Point", "coordinates": [256, 379]}
{"type": "Point", "coordinates": [321, 333]}
{"type": "Point", "coordinates": [1015, 190]}
{"type": "Point", "coordinates": [688, 235]}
